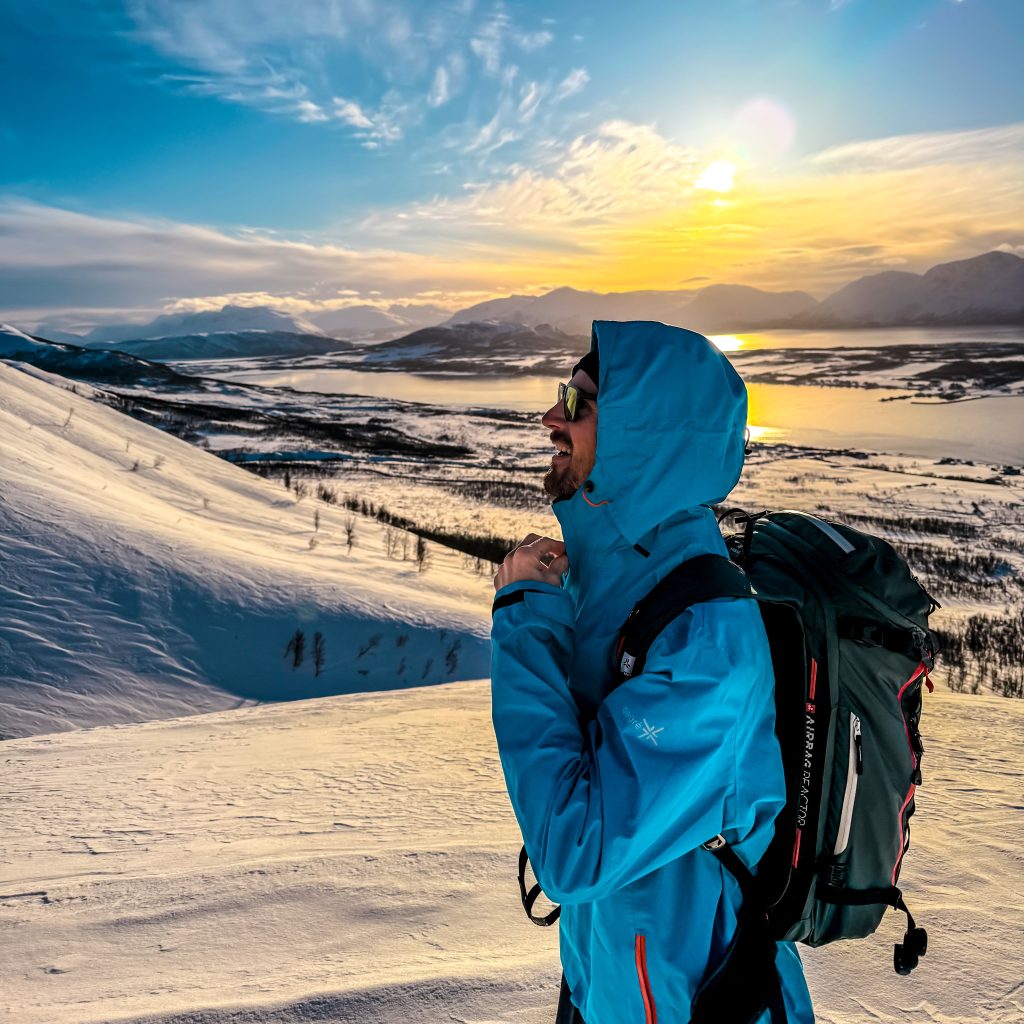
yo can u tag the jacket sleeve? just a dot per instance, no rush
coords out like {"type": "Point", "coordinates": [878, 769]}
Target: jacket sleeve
{"type": "Point", "coordinates": [603, 803]}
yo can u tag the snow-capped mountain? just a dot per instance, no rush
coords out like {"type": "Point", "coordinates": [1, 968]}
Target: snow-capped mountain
{"type": "Point", "coordinates": [231, 345]}
{"type": "Point", "coordinates": [146, 578]}
{"type": "Point", "coordinates": [984, 289]}
{"type": "Point", "coordinates": [361, 321]}
{"type": "Point", "coordinates": [229, 319]}
{"type": "Point", "coordinates": [475, 348]}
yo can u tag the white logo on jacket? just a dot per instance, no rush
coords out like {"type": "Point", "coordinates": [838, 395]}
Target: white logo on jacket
{"type": "Point", "coordinates": [644, 729]}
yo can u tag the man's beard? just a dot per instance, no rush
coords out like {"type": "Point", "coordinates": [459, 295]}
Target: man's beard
{"type": "Point", "coordinates": [561, 483]}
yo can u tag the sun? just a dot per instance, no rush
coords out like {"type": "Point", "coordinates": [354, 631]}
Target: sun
{"type": "Point", "coordinates": [717, 177]}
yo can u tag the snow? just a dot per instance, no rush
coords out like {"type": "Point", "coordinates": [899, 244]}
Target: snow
{"type": "Point", "coordinates": [147, 578]}
{"type": "Point", "coordinates": [351, 856]}
{"type": "Point", "coordinates": [353, 859]}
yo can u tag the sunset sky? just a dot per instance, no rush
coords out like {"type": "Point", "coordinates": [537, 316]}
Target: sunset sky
{"type": "Point", "coordinates": [162, 155]}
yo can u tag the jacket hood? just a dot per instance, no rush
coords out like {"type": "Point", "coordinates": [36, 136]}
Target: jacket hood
{"type": "Point", "coordinates": [672, 415]}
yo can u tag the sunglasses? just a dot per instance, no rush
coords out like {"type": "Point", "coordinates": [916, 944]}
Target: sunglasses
{"type": "Point", "coordinates": [570, 396]}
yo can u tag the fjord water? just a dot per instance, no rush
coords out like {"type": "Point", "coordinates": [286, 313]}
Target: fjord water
{"type": "Point", "coordinates": [870, 419]}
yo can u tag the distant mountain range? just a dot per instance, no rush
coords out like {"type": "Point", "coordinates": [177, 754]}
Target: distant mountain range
{"type": "Point", "coordinates": [987, 289]}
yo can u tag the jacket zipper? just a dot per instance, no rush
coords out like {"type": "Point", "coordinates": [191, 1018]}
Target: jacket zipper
{"type": "Point", "coordinates": [854, 769]}
{"type": "Point", "coordinates": [640, 951]}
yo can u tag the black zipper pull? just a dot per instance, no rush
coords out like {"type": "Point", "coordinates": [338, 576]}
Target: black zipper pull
{"type": "Point", "coordinates": [859, 747]}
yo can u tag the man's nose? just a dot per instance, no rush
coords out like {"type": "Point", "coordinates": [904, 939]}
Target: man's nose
{"type": "Point", "coordinates": [554, 416]}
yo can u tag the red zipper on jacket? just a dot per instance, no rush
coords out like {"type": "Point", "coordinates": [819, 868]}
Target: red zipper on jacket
{"type": "Point", "coordinates": [640, 951]}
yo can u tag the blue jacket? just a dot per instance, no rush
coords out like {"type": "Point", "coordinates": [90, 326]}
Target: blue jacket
{"type": "Point", "coordinates": [614, 793]}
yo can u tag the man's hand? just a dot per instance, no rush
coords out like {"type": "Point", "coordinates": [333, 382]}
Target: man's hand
{"type": "Point", "coordinates": [534, 558]}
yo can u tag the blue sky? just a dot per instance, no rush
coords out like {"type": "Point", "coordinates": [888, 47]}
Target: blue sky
{"type": "Point", "coordinates": [336, 144]}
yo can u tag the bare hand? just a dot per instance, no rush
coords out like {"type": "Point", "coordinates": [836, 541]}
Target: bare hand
{"type": "Point", "coordinates": [534, 558]}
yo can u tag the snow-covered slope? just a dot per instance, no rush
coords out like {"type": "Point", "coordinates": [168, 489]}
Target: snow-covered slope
{"type": "Point", "coordinates": [353, 860]}
{"type": "Point", "coordinates": [143, 577]}
{"type": "Point", "coordinates": [231, 345]}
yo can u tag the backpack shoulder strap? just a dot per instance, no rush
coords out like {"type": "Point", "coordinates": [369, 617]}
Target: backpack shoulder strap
{"type": "Point", "coordinates": [699, 579]}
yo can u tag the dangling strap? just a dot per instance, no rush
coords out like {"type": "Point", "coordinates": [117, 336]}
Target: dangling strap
{"type": "Point", "coordinates": [530, 898]}
{"type": "Point", "coordinates": [906, 954]}
{"type": "Point", "coordinates": [746, 982]}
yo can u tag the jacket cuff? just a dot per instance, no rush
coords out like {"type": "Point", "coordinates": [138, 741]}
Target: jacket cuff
{"type": "Point", "coordinates": [544, 599]}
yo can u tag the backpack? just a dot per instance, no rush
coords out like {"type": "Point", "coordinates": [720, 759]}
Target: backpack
{"type": "Point", "coordinates": [847, 624]}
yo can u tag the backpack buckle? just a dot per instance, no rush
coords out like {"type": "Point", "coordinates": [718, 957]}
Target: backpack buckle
{"type": "Point", "coordinates": [871, 635]}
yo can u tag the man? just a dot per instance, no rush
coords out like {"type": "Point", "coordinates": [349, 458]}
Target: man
{"type": "Point", "coordinates": [616, 791]}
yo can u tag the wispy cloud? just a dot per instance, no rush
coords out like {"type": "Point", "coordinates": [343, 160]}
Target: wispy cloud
{"type": "Point", "coordinates": [294, 61]}
{"type": "Point", "coordinates": [1005, 142]}
{"type": "Point", "coordinates": [439, 89]}
{"type": "Point", "coordinates": [573, 83]}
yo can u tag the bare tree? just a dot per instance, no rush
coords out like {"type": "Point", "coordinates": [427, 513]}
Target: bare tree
{"type": "Point", "coordinates": [350, 531]}
{"type": "Point", "coordinates": [422, 555]}
{"type": "Point", "coordinates": [316, 521]}
{"type": "Point", "coordinates": [296, 648]}
{"type": "Point", "coordinates": [319, 654]}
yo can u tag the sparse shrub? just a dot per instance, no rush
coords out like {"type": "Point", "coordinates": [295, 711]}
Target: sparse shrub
{"type": "Point", "coordinates": [287, 480]}
{"type": "Point", "coordinates": [402, 639]}
{"type": "Point", "coordinates": [301, 489]}
{"type": "Point", "coordinates": [159, 461]}
{"type": "Point", "coordinates": [427, 666]}
{"type": "Point", "coordinates": [316, 521]}
{"type": "Point", "coordinates": [136, 465]}
{"type": "Point", "coordinates": [350, 531]}
{"type": "Point", "coordinates": [296, 648]}
{"type": "Point", "coordinates": [422, 555]}
{"type": "Point", "coordinates": [451, 656]}
{"type": "Point", "coordinates": [319, 652]}
{"type": "Point", "coordinates": [370, 645]}
{"type": "Point", "coordinates": [206, 503]}
{"type": "Point", "coordinates": [324, 493]}
{"type": "Point", "coordinates": [312, 543]}
{"type": "Point", "coordinates": [67, 422]}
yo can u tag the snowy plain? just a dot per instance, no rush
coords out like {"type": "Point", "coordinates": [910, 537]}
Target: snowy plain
{"type": "Point", "coordinates": [352, 859]}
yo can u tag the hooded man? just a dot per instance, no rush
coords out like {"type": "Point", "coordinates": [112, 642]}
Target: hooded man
{"type": "Point", "coordinates": [616, 789]}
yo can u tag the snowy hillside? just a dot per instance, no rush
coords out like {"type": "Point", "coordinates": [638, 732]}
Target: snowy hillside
{"type": "Point", "coordinates": [353, 860]}
{"type": "Point", "coordinates": [231, 345]}
{"type": "Point", "coordinates": [145, 578]}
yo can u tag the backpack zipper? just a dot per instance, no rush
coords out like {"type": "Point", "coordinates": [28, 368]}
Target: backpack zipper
{"type": "Point", "coordinates": [854, 769]}
{"type": "Point", "coordinates": [640, 952]}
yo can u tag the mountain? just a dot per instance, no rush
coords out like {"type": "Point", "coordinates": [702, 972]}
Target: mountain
{"type": "Point", "coordinates": [146, 578]}
{"type": "Point", "coordinates": [736, 306]}
{"type": "Point", "coordinates": [985, 289]}
{"type": "Point", "coordinates": [475, 348]}
{"type": "Point", "coordinates": [100, 366]}
{"type": "Point", "coordinates": [572, 311]}
{"type": "Point", "coordinates": [232, 345]}
{"type": "Point", "coordinates": [229, 319]}
{"type": "Point", "coordinates": [362, 321]}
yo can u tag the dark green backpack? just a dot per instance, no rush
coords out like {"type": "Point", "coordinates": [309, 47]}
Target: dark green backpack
{"type": "Point", "coordinates": [847, 623]}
